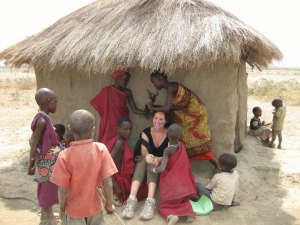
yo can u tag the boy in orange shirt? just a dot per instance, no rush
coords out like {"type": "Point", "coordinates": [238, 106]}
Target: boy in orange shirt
{"type": "Point", "coordinates": [80, 170]}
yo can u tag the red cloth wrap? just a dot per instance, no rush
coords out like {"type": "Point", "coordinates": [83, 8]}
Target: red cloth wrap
{"type": "Point", "coordinates": [110, 103]}
{"type": "Point", "coordinates": [176, 185]}
{"type": "Point", "coordinates": [124, 176]}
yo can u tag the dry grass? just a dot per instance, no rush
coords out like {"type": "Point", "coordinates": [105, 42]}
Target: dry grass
{"type": "Point", "coordinates": [106, 35]}
{"type": "Point", "coordinates": [288, 90]}
{"type": "Point", "coordinates": [23, 83]}
{"type": "Point", "coordinates": [17, 90]}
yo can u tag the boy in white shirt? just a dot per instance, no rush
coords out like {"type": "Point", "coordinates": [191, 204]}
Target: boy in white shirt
{"type": "Point", "coordinates": [223, 187]}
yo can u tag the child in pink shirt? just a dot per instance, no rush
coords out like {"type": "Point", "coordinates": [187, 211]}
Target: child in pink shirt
{"type": "Point", "coordinates": [80, 170]}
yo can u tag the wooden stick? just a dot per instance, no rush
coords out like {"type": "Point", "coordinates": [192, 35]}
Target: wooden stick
{"type": "Point", "coordinates": [118, 217]}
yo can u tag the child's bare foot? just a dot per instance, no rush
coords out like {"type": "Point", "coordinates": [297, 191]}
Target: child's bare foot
{"type": "Point", "coordinates": [52, 221]}
{"type": "Point", "coordinates": [190, 219]}
{"type": "Point", "coordinates": [279, 147]}
{"type": "Point", "coordinates": [265, 142]}
{"type": "Point", "coordinates": [172, 219]}
{"type": "Point", "coordinates": [116, 201]}
{"type": "Point", "coordinates": [235, 203]}
{"type": "Point", "coordinates": [271, 145]}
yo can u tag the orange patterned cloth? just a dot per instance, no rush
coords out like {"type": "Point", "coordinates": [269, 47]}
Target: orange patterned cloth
{"type": "Point", "coordinates": [189, 111]}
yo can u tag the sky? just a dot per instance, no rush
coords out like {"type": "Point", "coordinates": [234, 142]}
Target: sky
{"type": "Point", "coordinates": [277, 20]}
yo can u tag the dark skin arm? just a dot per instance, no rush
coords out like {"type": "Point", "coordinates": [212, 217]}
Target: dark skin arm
{"type": "Point", "coordinates": [171, 91]}
{"type": "Point", "coordinates": [117, 155]}
{"type": "Point", "coordinates": [33, 142]}
{"type": "Point", "coordinates": [132, 104]}
{"type": "Point", "coordinates": [62, 196]}
{"type": "Point", "coordinates": [108, 193]}
{"type": "Point", "coordinates": [167, 153]}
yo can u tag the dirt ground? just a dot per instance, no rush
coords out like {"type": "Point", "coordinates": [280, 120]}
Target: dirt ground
{"type": "Point", "coordinates": [269, 178]}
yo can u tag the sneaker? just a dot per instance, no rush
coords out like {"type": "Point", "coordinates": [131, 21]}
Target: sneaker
{"type": "Point", "coordinates": [129, 207]}
{"type": "Point", "coordinates": [148, 211]}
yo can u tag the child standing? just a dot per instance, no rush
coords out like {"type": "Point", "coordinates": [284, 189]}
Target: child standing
{"type": "Point", "coordinates": [176, 172]}
{"type": "Point", "coordinates": [42, 140]}
{"type": "Point", "coordinates": [258, 128]}
{"type": "Point", "coordinates": [278, 119]}
{"type": "Point", "coordinates": [79, 171]}
{"type": "Point", "coordinates": [223, 187]}
{"type": "Point", "coordinates": [111, 104]}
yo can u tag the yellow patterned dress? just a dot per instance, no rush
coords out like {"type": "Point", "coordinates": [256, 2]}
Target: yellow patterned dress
{"type": "Point", "coordinates": [189, 111]}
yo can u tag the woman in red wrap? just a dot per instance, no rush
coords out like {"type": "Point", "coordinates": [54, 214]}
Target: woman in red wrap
{"type": "Point", "coordinates": [111, 104]}
{"type": "Point", "coordinates": [187, 110]}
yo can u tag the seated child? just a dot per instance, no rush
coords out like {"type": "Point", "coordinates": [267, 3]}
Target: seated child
{"type": "Point", "coordinates": [60, 130]}
{"type": "Point", "coordinates": [177, 183]}
{"type": "Point", "coordinates": [79, 171]}
{"type": "Point", "coordinates": [124, 160]}
{"type": "Point", "coordinates": [278, 119]}
{"type": "Point", "coordinates": [68, 139]}
{"type": "Point", "coordinates": [258, 128]}
{"type": "Point", "coordinates": [223, 187]}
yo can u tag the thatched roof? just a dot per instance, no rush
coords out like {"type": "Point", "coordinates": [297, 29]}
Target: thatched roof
{"type": "Point", "coordinates": [170, 34]}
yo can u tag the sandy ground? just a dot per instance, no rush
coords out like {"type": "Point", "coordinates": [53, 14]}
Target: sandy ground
{"type": "Point", "coordinates": [269, 178]}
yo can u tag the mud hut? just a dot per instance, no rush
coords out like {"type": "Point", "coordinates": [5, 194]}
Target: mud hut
{"type": "Point", "coordinates": [196, 42]}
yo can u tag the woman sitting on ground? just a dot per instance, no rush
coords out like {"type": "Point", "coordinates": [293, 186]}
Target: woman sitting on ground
{"type": "Point", "coordinates": [154, 140]}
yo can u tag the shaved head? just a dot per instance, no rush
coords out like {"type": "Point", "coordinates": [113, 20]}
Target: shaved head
{"type": "Point", "coordinates": [175, 131]}
{"type": "Point", "coordinates": [82, 122]}
{"type": "Point", "coordinates": [43, 95]}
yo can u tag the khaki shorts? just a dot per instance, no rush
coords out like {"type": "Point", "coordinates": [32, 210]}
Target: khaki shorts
{"type": "Point", "coordinates": [97, 219]}
{"type": "Point", "coordinates": [276, 132]}
{"type": "Point", "coordinates": [143, 169]}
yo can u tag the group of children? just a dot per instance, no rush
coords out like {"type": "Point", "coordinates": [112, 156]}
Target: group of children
{"type": "Point", "coordinates": [265, 131]}
{"type": "Point", "coordinates": [86, 172]}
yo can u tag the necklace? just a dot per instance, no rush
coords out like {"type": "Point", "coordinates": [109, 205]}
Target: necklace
{"type": "Point", "coordinates": [175, 145]}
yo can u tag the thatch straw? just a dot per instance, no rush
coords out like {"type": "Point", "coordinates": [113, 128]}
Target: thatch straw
{"type": "Point", "coordinates": [149, 34]}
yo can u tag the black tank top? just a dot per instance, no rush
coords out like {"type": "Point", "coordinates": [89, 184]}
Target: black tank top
{"type": "Point", "coordinates": [156, 151]}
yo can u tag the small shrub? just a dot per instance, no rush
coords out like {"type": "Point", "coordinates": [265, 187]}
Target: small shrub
{"type": "Point", "coordinates": [266, 89]}
{"type": "Point", "coordinates": [16, 95]}
{"type": "Point", "coordinates": [25, 83]}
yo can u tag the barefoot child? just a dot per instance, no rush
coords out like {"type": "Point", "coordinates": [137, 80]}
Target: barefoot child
{"type": "Point", "coordinates": [124, 160]}
{"type": "Point", "coordinates": [223, 187]}
{"type": "Point", "coordinates": [42, 140]}
{"type": "Point", "coordinates": [258, 128]}
{"type": "Point", "coordinates": [278, 119]}
{"type": "Point", "coordinates": [79, 171]}
{"type": "Point", "coordinates": [177, 183]}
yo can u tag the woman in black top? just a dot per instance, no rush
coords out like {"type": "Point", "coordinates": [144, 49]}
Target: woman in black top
{"type": "Point", "coordinates": [153, 142]}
